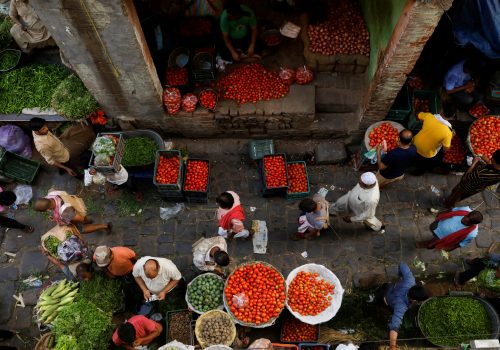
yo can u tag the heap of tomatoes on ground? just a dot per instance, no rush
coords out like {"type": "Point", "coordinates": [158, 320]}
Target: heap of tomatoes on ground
{"type": "Point", "coordinates": [456, 153]}
{"type": "Point", "coordinates": [384, 132]}
{"type": "Point", "coordinates": [485, 136]}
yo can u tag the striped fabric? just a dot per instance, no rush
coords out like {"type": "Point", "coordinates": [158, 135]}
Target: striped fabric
{"type": "Point", "coordinates": [481, 177]}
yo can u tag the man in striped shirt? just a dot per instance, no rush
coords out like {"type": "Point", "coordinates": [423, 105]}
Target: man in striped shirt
{"type": "Point", "coordinates": [475, 180]}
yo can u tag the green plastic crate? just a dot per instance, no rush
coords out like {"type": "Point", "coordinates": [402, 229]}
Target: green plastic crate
{"type": "Point", "coordinates": [298, 195]}
{"type": "Point", "coordinates": [163, 188]}
{"type": "Point", "coordinates": [413, 123]}
{"type": "Point", "coordinates": [257, 149]}
{"type": "Point", "coordinates": [401, 107]}
{"type": "Point", "coordinates": [18, 167]}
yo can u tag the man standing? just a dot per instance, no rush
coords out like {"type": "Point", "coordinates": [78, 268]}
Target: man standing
{"type": "Point", "coordinates": [399, 296]}
{"type": "Point", "coordinates": [156, 276]}
{"type": "Point", "coordinates": [137, 331]}
{"type": "Point", "coordinates": [116, 261]}
{"type": "Point", "coordinates": [475, 180]}
{"type": "Point", "coordinates": [360, 203]}
{"type": "Point", "coordinates": [210, 254]}
{"type": "Point", "coordinates": [231, 216]}
{"type": "Point", "coordinates": [459, 82]}
{"type": "Point", "coordinates": [436, 134]}
{"type": "Point", "coordinates": [50, 147]}
{"type": "Point", "coordinates": [453, 229]}
{"type": "Point", "coordinates": [393, 165]}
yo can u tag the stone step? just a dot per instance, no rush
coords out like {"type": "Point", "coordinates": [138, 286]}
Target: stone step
{"type": "Point", "coordinates": [337, 122]}
{"type": "Point", "coordinates": [336, 100]}
{"type": "Point", "coordinates": [341, 81]}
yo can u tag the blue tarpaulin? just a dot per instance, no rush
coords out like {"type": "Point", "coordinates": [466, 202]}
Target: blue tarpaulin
{"type": "Point", "coordinates": [477, 22]}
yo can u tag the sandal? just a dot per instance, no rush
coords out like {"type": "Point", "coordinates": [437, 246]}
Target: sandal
{"type": "Point", "coordinates": [29, 229]}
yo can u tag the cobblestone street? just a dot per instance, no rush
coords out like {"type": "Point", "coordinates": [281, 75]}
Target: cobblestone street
{"type": "Point", "coordinates": [351, 252]}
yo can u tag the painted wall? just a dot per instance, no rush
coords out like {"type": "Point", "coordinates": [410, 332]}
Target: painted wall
{"type": "Point", "coordinates": [381, 17]}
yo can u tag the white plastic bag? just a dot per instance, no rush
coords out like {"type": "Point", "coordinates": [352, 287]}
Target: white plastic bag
{"type": "Point", "coordinates": [176, 344]}
{"type": "Point", "coordinates": [240, 300]}
{"type": "Point", "coordinates": [87, 178]}
{"type": "Point", "coordinates": [349, 346]}
{"type": "Point", "coordinates": [24, 193]}
{"type": "Point", "coordinates": [259, 237]}
{"type": "Point", "coordinates": [168, 213]}
{"type": "Point", "coordinates": [99, 179]}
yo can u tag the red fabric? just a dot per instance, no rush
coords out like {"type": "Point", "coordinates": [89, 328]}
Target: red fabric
{"type": "Point", "coordinates": [235, 213]}
{"type": "Point", "coordinates": [451, 241]}
{"type": "Point", "coordinates": [143, 326]}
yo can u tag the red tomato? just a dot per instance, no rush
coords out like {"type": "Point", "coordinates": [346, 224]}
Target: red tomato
{"type": "Point", "coordinates": [387, 132]}
{"type": "Point", "coordinates": [275, 171]}
{"type": "Point", "coordinates": [309, 294]}
{"type": "Point", "coordinates": [167, 171]}
{"type": "Point", "coordinates": [456, 153]}
{"type": "Point", "coordinates": [485, 136]}
{"type": "Point", "coordinates": [196, 176]}
{"type": "Point", "coordinates": [297, 178]}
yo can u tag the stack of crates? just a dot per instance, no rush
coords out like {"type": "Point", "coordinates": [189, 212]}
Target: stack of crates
{"type": "Point", "coordinates": [171, 192]}
{"type": "Point", "coordinates": [120, 150]}
{"type": "Point", "coordinates": [196, 196]}
{"type": "Point", "coordinates": [414, 124]}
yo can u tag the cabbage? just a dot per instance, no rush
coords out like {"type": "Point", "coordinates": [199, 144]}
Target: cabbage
{"type": "Point", "coordinates": [104, 145]}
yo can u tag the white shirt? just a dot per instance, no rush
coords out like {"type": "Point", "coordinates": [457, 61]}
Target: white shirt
{"type": "Point", "coordinates": [201, 252]}
{"type": "Point", "coordinates": [363, 202]}
{"type": "Point", "coordinates": [167, 271]}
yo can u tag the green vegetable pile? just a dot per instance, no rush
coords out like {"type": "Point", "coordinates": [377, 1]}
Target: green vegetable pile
{"type": "Point", "coordinates": [9, 59]}
{"type": "Point", "coordinates": [139, 151]}
{"type": "Point", "coordinates": [205, 292]}
{"type": "Point", "coordinates": [66, 342]}
{"type": "Point", "coordinates": [51, 244]}
{"type": "Point", "coordinates": [72, 100]}
{"type": "Point", "coordinates": [91, 327]}
{"type": "Point", "coordinates": [450, 321]}
{"type": "Point", "coordinates": [30, 86]}
{"type": "Point", "coordinates": [103, 292]}
{"type": "Point", "coordinates": [5, 37]}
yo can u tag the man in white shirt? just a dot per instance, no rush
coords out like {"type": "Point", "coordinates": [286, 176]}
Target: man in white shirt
{"type": "Point", "coordinates": [360, 203]}
{"type": "Point", "coordinates": [210, 254]}
{"type": "Point", "coordinates": [156, 276]}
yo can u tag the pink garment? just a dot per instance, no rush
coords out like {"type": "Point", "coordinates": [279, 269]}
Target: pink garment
{"type": "Point", "coordinates": [57, 213]}
{"type": "Point", "coordinates": [237, 225]}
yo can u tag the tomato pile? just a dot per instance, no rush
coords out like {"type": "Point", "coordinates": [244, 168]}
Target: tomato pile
{"type": "Point", "coordinates": [275, 171]}
{"type": "Point", "coordinates": [177, 76]}
{"type": "Point", "coordinates": [386, 132]}
{"type": "Point", "coordinates": [189, 102]}
{"type": "Point", "coordinates": [309, 294]}
{"type": "Point", "coordinates": [196, 176]}
{"type": "Point", "coordinates": [297, 331]}
{"type": "Point", "coordinates": [264, 291]}
{"type": "Point", "coordinates": [272, 39]}
{"type": "Point", "coordinates": [304, 75]}
{"type": "Point", "coordinates": [252, 83]}
{"type": "Point", "coordinates": [479, 110]}
{"type": "Point", "coordinates": [421, 105]}
{"type": "Point", "coordinates": [287, 75]}
{"type": "Point", "coordinates": [297, 178]}
{"type": "Point", "coordinates": [168, 170]}
{"type": "Point", "coordinates": [208, 99]}
{"type": "Point", "coordinates": [172, 100]}
{"type": "Point", "coordinates": [456, 153]}
{"type": "Point", "coordinates": [485, 136]}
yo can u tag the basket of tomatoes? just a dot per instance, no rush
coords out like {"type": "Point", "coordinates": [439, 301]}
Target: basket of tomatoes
{"type": "Point", "coordinates": [385, 130]}
{"type": "Point", "coordinates": [484, 136]}
{"type": "Point", "coordinates": [314, 293]}
{"type": "Point", "coordinates": [274, 175]}
{"type": "Point", "coordinates": [254, 294]}
{"type": "Point", "coordinates": [479, 110]}
{"type": "Point", "coordinates": [298, 180]}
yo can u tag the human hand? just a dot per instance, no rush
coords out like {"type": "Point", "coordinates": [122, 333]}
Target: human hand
{"type": "Point", "coordinates": [236, 56]}
{"type": "Point", "coordinates": [347, 219]}
{"type": "Point", "coordinates": [138, 342]}
{"type": "Point", "coordinates": [251, 50]}
{"type": "Point", "coordinates": [70, 172]}
{"type": "Point", "coordinates": [162, 295]}
{"type": "Point", "coordinates": [147, 294]}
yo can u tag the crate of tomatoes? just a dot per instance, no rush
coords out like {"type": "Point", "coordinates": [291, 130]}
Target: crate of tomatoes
{"type": "Point", "coordinates": [196, 180]}
{"type": "Point", "coordinates": [295, 331]}
{"type": "Point", "coordinates": [168, 173]}
{"type": "Point", "coordinates": [274, 175]}
{"type": "Point", "coordinates": [298, 180]}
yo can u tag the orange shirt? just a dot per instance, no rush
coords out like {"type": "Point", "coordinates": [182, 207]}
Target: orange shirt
{"type": "Point", "coordinates": [122, 261]}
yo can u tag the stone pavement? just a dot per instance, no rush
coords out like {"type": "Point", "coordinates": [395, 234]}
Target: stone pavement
{"type": "Point", "coordinates": [351, 253]}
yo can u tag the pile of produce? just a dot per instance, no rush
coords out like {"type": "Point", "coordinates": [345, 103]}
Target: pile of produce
{"type": "Point", "coordinates": [189, 102]}
{"type": "Point", "coordinates": [179, 324]}
{"type": "Point", "coordinates": [287, 75]}
{"type": "Point", "coordinates": [309, 294]}
{"type": "Point", "coordinates": [215, 330]}
{"type": "Point", "coordinates": [105, 293]}
{"type": "Point", "coordinates": [9, 59]}
{"type": "Point", "coordinates": [252, 83]}
{"type": "Point", "coordinates": [5, 37]}
{"type": "Point", "coordinates": [450, 321]}
{"type": "Point", "coordinates": [295, 331]}
{"type": "Point", "coordinates": [104, 148]}
{"type": "Point", "coordinates": [272, 38]}
{"type": "Point", "coordinates": [304, 75]}
{"type": "Point", "coordinates": [208, 99]}
{"type": "Point", "coordinates": [66, 342]}
{"type": "Point", "coordinates": [204, 293]}
{"type": "Point", "coordinates": [72, 100]}
{"type": "Point", "coordinates": [456, 153]}
{"type": "Point", "coordinates": [275, 171]}
{"type": "Point", "coordinates": [255, 293]}
{"type": "Point", "coordinates": [344, 32]}
{"type": "Point", "coordinates": [167, 171]}
{"type": "Point", "coordinates": [177, 76]}
{"type": "Point", "coordinates": [51, 243]}
{"type": "Point", "coordinates": [92, 328]}
{"type": "Point", "coordinates": [29, 87]}
{"type": "Point", "coordinates": [479, 110]}
{"type": "Point", "coordinates": [384, 132]}
{"type": "Point", "coordinates": [139, 151]}
{"type": "Point", "coordinates": [421, 105]}
{"type": "Point", "coordinates": [196, 176]}
{"type": "Point", "coordinates": [54, 299]}
{"type": "Point", "coordinates": [172, 100]}
{"type": "Point", "coordinates": [485, 136]}
{"type": "Point", "coordinates": [297, 178]}
{"type": "Point", "coordinates": [98, 117]}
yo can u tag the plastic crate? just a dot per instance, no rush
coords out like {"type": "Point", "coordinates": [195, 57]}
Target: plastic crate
{"type": "Point", "coordinates": [176, 187]}
{"type": "Point", "coordinates": [298, 195]}
{"type": "Point", "coordinates": [18, 167]}
{"type": "Point", "coordinates": [297, 342]}
{"type": "Point", "coordinates": [120, 150]}
{"type": "Point", "coordinates": [413, 122]}
{"type": "Point", "coordinates": [401, 107]}
{"type": "Point", "coordinates": [288, 346]}
{"type": "Point", "coordinates": [257, 149]}
{"type": "Point", "coordinates": [167, 323]}
{"type": "Point", "coordinates": [277, 191]}
{"type": "Point", "coordinates": [196, 196]}
{"type": "Point", "coordinates": [313, 346]}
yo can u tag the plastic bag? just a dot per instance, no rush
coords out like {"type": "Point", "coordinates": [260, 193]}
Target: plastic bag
{"type": "Point", "coordinates": [104, 145]}
{"type": "Point", "coordinates": [189, 102]}
{"type": "Point", "coordinates": [240, 300]}
{"type": "Point", "coordinates": [347, 347]}
{"type": "Point", "coordinates": [99, 179]}
{"type": "Point", "coordinates": [177, 345]}
{"type": "Point", "coordinates": [261, 343]}
{"type": "Point", "coordinates": [168, 213]}
{"type": "Point", "coordinates": [14, 140]}
{"type": "Point", "coordinates": [87, 179]}
{"type": "Point", "coordinates": [304, 75]}
{"type": "Point", "coordinates": [172, 100]}
{"type": "Point", "coordinates": [24, 193]}
{"type": "Point", "coordinates": [102, 160]}
{"type": "Point", "coordinates": [71, 250]}
{"type": "Point", "coordinates": [287, 75]}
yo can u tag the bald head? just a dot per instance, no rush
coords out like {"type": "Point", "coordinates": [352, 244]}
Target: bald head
{"type": "Point", "coordinates": [151, 268]}
{"type": "Point", "coordinates": [405, 137]}
{"type": "Point", "coordinates": [44, 204]}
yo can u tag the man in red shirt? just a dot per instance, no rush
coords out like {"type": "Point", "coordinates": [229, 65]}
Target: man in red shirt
{"type": "Point", "coordinates": [138, 330]}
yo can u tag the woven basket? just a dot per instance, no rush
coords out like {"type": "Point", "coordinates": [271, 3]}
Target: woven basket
{"type": "Point", "coordinates": [211, 315]}
{"type": "Point", "coordinates": [44, 340]}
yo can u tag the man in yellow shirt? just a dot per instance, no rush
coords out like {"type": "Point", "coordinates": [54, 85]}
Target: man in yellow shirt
{"type": "Point", "coordinates": [433, 139]}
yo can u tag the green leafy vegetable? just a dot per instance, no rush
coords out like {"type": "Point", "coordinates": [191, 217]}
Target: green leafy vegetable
{"type": "Point", "coordinates": [66, 342]}
{"type": "Point", "coordinates": [450, 321]}
{"type": "Point", "coordinates": [51, 243]}
{"type": "Point", "coordinates": [9, 59]}
{"type": "Point", "coordinates": [72, 99]}
{"type": "Point", "coordinates": [30, 86]}
{"type": "Point", "coordinates": [5, 37]}
{"type": "Point", "coordinates": [104, 145]}
{"type": "Point", "coordinates": [103, 292]}
{"type": "Point", "coordinates": [139, 151]}
{"type": "Point", "coordinates": [91, 327]}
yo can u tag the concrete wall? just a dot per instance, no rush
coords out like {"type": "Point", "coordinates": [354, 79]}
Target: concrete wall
{"type": "Point", "coordinates": [102, 40]}
{"type": "Point", "coordinates": [381, 17]}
